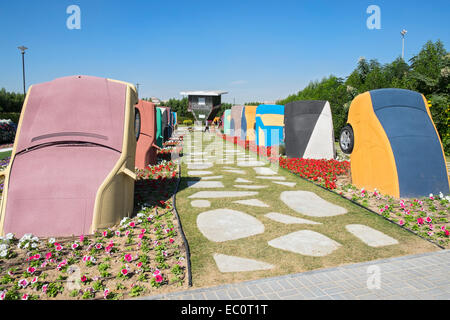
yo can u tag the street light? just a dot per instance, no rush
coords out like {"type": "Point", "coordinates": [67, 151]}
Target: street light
{"type": "Point", "coordinates": [403, 33]}
{"type": "Point", "coordinates": [22, 49]}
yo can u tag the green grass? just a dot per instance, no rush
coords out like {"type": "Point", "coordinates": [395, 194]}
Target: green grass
{"type": "Point", "coordinates": [205, 271]}
{"type": "Point", "coordinates": [5, 154]}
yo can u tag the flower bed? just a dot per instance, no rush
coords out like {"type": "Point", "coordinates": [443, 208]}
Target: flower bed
{"type": "Point", "coordinates": [166, 152]}
{"type": "Point", "coordinates": [144, 254]}
{"type": "Point", "coordinates": [427, 217]}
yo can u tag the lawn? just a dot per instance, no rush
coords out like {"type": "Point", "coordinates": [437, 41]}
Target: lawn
{"type": "Point", "coordinates": [206, 273]}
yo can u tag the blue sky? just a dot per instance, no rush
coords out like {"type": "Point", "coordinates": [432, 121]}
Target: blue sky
{"type": "Point", "coordinates": [257, 50]}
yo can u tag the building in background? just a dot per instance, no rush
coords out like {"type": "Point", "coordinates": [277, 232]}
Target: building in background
{"type": "Point", "coordinates": [204, 105]}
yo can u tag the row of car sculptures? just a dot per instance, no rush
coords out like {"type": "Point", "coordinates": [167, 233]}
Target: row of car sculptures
{"type": "Point", "coordinates": [80, 138]}
{"type": "Point", "coordinates": [393, 143]}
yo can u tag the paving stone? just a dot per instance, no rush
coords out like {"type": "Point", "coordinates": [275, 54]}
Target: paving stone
{"type": "Point", "coordinates": [212, 178]}
{"type": "Point", "coordinates": [205, 184]}
{"type": "Point", "coordinates": [199, 166]}
{"type": "Point", "coordinates": [240, 180]}
{"type": "Point", "coordinates": [222, 194]}
{"type": "Point", "coordinates": [283, 218]}
{"type": "Point", "coordinates": [264, 171]}
{"type": "Point", "coordinates": [236, 171]}
{"type": "Point", "coordinates": [310, 204]}
{"type": "Point", "coordinates": [253, 202]}
{"type": "Point", "coordinates": [369, 236]}
{"type": "Point", "coordinates": [254, 187]}
{"type": "Point", "coordinates": [271, 178]}
{"type": "Point", "coordinates": [251, 163]}
{"type": "Point", "coordinates": [224, 225]}
{"type": "Point", "coordinates": [201, 204]}
{"type": "Point", "coordinates": [227, 263]}
{"type": "Point", "coordinates": [288, 184]}
{"type": "Point", "coordinates": [306, 242]}
{"type": "Point", "coordinates": [196, 173]}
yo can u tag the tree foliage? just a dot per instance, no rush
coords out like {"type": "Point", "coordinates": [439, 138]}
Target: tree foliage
{"type": "Point", "coordinates": [428, 72]}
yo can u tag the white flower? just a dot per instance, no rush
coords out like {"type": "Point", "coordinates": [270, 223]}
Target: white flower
{"type": "Point", "coordinates": [3, 253]}
{"type": "Point", "coordinates": [431, 195]}
{"type": "Point", "coordinates": [51, 240]}
{"type": "Point", "coordinates": [447, 198]}
{"type": "Point", "coordinates": [3, 247]}
{"type": "Point", "coordinates": [10, 236]}
{"type": "Point", "coordinates": [441, 195]}
{"type": "Point", "coordinates": [34, 245]}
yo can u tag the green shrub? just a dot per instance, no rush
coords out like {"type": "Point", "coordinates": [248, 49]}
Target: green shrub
{"type": "Point", "coordinates": [187, 122]}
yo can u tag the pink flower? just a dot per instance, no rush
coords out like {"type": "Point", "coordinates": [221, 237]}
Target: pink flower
{"type": "Point", "coordinates": [139, 264]}
{"type": "Point", "coordinates": [132, 224]}
{"type": "Point", "coordinates": [143, 230]}
{"type": "Point", "coordinates": [443, 228]}
{"type": "Point", "coordinates": [124, 271]}
{"type": "Point", "coordinates": [420, 220]}
{"type": "Point", "coordinates": [118, 233]}
{"type": "Point", "coordinates": [105, 233]}
{"type": "Point", "coordinates": [74, 246]}
{"type": "Point", "coordinates": [10, 273]}
{"type": "Point", "coordinates": [25, 297]}
{"type": "Point", "coordinates": [106, 293]}
{"type": "Point", "coordinates": [127, 232]}
{"type": "Point", "coordinates": [381, 210]}
{"type": "Point", "coordinates": [3, 295]}
{"type": "Point", "coordinates": [158, 278]}
{"type": "Point", "coordinates": [31, 270]}
{"type": "Point", "coordinates": [447, 233]}
{"type": "Point", "coordinates": [141, 235]}
{"type": "Point", "coordinates": [44, 288]}
{"type": "Point", "coordinates": [431, 226]}
{"type": "Point", "coordinates": [128, 257]}
{"type": "Point", "coordinates": [83, 279]}
{"type": "Point", "coordinates": [48, 255]}
{"type": "Point", "coordinates": [81, 238]}
{"type": "Point", "coordinates": [58, 248]}
{"type": "Point", "coordinates": [86, 258]}
{"type": "Point", "coordinates": [23, 283]}
{"type": "Point", "coordinates": [35, 279]}
{"type": "Point", "coordinates": [428, 219]}
{"type": "Point", "coordinates": [401, 222]}
{"type": "Point", "coordinates": [98, 246]}
{"type": "Point", "coordinates": [171, 240]}
{"type": "Point", "coordinates": [156, 272]}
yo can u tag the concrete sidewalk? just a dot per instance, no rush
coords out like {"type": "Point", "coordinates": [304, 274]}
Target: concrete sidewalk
{"type": "Point", "coordinates": [424, 276]}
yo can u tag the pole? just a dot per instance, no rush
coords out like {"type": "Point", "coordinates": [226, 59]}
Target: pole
{"type": "Point", "coordinates": [23, 74]}
{"type": "Point", "coordinates": [403, 47]}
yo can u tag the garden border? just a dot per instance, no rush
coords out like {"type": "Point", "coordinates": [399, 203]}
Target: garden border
{"type": "Point", "coordinates": [180, 226]}
{"type": "Point", "coordinates": [331, 191]}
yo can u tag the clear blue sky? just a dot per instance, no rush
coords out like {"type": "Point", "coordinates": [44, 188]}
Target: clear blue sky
{"type": "Point", "coordinates": [255, 49]}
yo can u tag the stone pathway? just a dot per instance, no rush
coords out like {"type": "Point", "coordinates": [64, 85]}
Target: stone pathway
{"type": "Point", "coordinates": [224, 224]}
{"type": "Point", "coordinates": [415, 277]}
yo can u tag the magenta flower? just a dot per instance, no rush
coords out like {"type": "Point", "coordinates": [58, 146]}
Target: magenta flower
{"type": "Point", "coordinates": [35, 279]}
{"type": "Point", "coordinates": [132, 224]}
{"type": "Point", "coordinates": [83, 279]}
{"type": "Point", "coordinates": [105, 233]}
{"type": "Point", "coordinates": [75, 246]}
{"type": "Point", "coordinates": [158, 278]}
{"type": "Point", "coordinates": [128, 257]}
{"type": "Point", "coordinates": [81, 238]}
{"type": "Point", "coordinates": [48, 255]}
{"type": "Point", "coordinates": [171, 240]}
{"type": "Point", "coordinates": [139, 264]}
{"type": "Point", "coordinates": [25, 297]}
{"type": "Point", "coordinates": [428, 219]}
{"type": "Point", "coordinates": [31, 270]}
{"type": "Point", "coordinates": [58, 248]}
{"type": "Point", "coordinates": [98, 246]}
{"type": "Point", "coordinates": [3, 295]}
{"type": "Point", "coordinates": [118, 233]}
{"type": "Point", "coordinates": [23, 283]}
{"type": "Point", "coordinates": [124, 271]}
{"type": "Point", "coordinates": [44, 288]}
{"type": "Point", "coordinates": [420, 221]}
{"type": "Point", "coordinates": [106, 293]}
{"type": "Point", "coordinates": [401, 222]}
{"type": "Point", "coordinates": [156, 272]}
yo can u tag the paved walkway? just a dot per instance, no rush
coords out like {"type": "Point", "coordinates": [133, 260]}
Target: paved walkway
{"type": "Point", "coordinates": [416, 277]}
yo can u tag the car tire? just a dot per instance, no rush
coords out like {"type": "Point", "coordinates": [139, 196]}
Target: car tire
{"type": "Point", "coordinates": [347, 139]}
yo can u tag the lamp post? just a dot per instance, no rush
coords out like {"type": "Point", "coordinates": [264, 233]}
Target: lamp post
{"type": "Point", "coordinates": [22, 50]}
{"type": "Point", "coordinates": [137, 88]}
{"type": "Point", "coordinates": [403, 33]}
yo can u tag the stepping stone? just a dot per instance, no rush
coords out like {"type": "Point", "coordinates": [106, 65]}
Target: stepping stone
{"type": "Point", "coordinates": [288, 184]}
{"type": "Point", "coordinates": [310, 204]}
{"type": "Point", "coordinates": [236, 171]}
{"type": "Point", "coordinates": [253, 203]}
{"type": "Point", "coordinates": [250, 187]}
{"type": "Point", "coordinates": [236, 264]}
{"type": "Point", "coordinates": [222, 194]}
{"type": "Point", "coordinates": [369, 236]}
{"type": "Point", "coordinates": [199, 166]}
{"type": "Point", "coordinates": [212, 178]}
{"type": "Point", "coordinates": [264, 171]}
{"type": "Point", "coordinates": [283, 218]}
{"type": "Point", "coordinates": [199, 173]}
{"type": "Point", "coordinates": [240, 180]}
{"type": "Point", "coordinates": [230, 168]}
{"type": "Point", "coordinates": [271, 178]}
{"type": "Point", "coordinates": [306, 242]}
{"type": "Point", "coordinates": [201, 204]}
{"type": "Point", "coordinates": [224, 225]}
{"type": "Point", "coordinates": [205, 184]}
{"type": "Point", "coordinates": [251, 163]}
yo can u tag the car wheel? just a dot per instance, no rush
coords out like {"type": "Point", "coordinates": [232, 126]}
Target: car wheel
{"type": "Point", "coordinates": [347, 139]}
